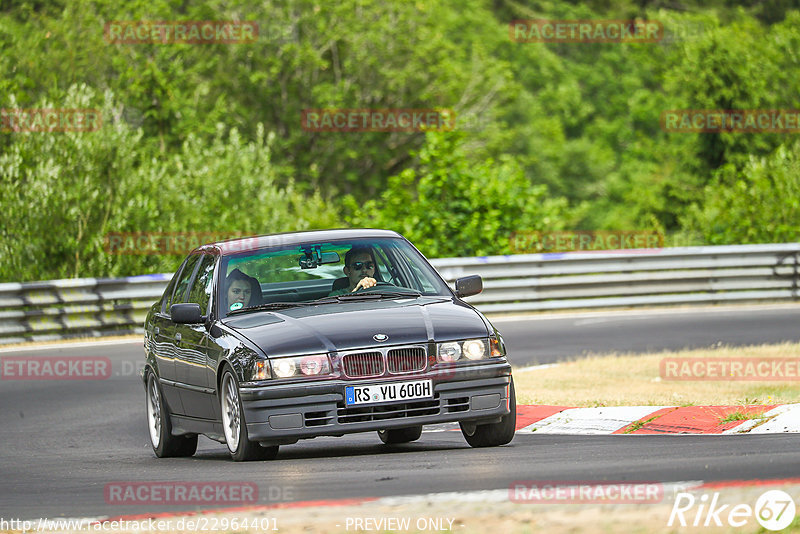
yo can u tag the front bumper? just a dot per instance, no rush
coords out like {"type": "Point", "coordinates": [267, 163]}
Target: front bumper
{"type": "Point", "coordinates": [285, 413]}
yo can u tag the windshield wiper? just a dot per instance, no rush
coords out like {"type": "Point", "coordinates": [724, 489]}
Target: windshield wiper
{"type": "Point", "coordinates": [392, 294]}
{"type": "Point", "coordinates": [269, 306]}
{"type": "Point", "coordinates": [370, 295]}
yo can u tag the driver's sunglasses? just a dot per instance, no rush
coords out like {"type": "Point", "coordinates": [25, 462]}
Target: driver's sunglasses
{"type": "Point", "coordinates": [358, 265]}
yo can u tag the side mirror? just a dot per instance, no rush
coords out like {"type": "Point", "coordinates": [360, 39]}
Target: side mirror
{"type": "Point", "coordinates": [188, 313]}
{"type": "Point", "coordinates": [469, 285]}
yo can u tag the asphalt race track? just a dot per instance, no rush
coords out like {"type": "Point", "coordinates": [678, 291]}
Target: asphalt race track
{"type": "Point", "coordinates": [548, 340]}
{"type": "Point", "coordinates": [64, 441]}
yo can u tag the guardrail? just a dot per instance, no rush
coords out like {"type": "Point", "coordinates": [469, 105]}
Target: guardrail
{"type": "Point", "coordinates": [79, 307]}
{"type": "Point", "coordinates": [646, 277]}
{"type": "Point", "coordinates": [61, 309]}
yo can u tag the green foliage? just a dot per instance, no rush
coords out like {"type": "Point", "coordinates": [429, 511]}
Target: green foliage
{"type": "Point", "coordinates": [310, 54]}
{"type": "Point", "coordinates": [450, 207]}
{"type": "Point", "coordinates": [64, 192]}
{"type": "Point", "coordinates": [761, 206]}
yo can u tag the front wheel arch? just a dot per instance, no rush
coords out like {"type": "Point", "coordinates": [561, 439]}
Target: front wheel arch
{"type": "Point", "coordinates": [230, 401]}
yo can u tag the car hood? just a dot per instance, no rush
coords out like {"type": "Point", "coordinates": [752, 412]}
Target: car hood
{"type": "Point", "coordinates": [352, 325]}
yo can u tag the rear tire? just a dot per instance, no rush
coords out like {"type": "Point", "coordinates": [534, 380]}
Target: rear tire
{"type": "Point", "coordinates": [400, 435]}
{"type": "Point", "coordinates": [235, 427]}
{"type": "Point", "coordinates": [493, 434]}
{"type": "Point", "coordinates": [164, 444]}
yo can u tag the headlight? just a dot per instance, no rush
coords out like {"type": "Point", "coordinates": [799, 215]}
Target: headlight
{"type": "Point", "coordinates": [449, 352]}
{"type": "Point", "coordinates": [470, 349]}
{"type": "Point", "coordinates": [474, 349]}
{"type": "Point", "coordinates": [310, 365]}
{"type": "Point", "coordinates": [284, 368]}
{"type": "Point", "coordinates": [315, 365]}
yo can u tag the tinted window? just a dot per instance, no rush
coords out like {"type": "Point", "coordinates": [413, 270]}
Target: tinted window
{"type": "Point", "coordinates": [200, 292]}
{"type": "Point", "coordinates": [183, 281]}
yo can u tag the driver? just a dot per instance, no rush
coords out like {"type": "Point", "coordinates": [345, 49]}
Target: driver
{"type": "Point", "coordinates": [241, 290]}
{"type": "Point", "coordinates": [359, 267]}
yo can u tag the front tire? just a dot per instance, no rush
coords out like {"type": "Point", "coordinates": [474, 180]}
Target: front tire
{"type": "Point", "coordinates": [164, 444]}
{"type": "Point", "coordinates": [493, 434]}
{"type": "Point", "coordinates": [235, 427]}
{"type": "Point", "coordinates": [400, 435]}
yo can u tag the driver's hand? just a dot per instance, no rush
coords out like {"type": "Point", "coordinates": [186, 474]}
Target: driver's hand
{"type": "Point", "coordinates": [365, 283]}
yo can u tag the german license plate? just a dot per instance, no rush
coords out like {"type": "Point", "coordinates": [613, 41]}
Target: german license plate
{"type": "Point", "coordinates": [389, 392]}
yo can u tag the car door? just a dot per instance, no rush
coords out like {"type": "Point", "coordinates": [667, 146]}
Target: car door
{"type": "Point", "coordinates": [192, 365]}
{"type": "Point", "coordinates": [166, 349]}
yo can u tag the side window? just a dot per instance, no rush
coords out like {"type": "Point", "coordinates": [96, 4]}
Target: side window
{"type": "Point", "coordinates": [183, 281]}
{"type": "Point", "coordinates": [420, 281]}
{"type": "Point", "coordinates": [167, 297]}
{"type": "Point", "coordinates": [200, 292]}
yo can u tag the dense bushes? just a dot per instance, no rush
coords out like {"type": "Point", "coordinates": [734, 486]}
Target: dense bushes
{"type": "Point", "coordinates": [759, 203]}
{"type": "Point", "coordinates": [62, 193]}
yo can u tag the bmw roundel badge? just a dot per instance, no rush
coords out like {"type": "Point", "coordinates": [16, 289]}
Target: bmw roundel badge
{"type": "Point", "coordinates": [380, 337]}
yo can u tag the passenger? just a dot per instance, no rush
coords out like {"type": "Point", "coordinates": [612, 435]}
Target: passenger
{"type": "Point", "coordinates": [242, 291]}
{"type": "Point", "coordinates": [359, 268]}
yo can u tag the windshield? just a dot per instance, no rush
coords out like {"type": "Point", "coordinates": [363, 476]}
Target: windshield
{"type": "Point", "coordinates": [308, 272]}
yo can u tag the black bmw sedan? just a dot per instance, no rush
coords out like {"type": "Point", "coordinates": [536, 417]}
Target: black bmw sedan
{"type": "Point", "coordinates": [263, 341]}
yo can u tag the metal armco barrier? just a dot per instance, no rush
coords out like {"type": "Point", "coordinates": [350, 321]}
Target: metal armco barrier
{"type": "Point", "coordinates": [79, 307]}
{"type": "Point", "coordinates": [686, 275]}
{"type": "Point", "coordinates": [518, 283]}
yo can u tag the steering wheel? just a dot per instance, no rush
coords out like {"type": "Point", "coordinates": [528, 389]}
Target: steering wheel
{"type": "Point", "coordinates": [377, 284]}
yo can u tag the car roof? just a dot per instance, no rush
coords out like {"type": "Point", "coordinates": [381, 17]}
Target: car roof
{"type": "Point", "coordinates": [233, 246]}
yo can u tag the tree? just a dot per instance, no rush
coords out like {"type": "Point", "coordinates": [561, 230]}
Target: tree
{"type": "Point", "coordinates": [451, 207]}
{"type": "Point", "coordinates": [757, 204]}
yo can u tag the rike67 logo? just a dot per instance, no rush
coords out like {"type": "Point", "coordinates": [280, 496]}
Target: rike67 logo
{"type": "Point", "coordinates": [774, 510]}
